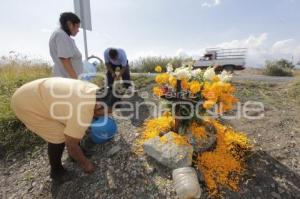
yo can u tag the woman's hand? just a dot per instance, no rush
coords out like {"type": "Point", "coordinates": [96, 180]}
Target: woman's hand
{"type": "Point", "coordinates": [68, 66]}
{"type": "Point", "coordinates": [88, 167]}
{"type": "Point", "coordinates": [76, 153]}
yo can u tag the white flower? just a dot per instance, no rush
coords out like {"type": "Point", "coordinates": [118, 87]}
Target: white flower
{"type": "Point", "coordinates": [209, 74]}
{"type": "Point", "coordinates": [169, 68]}
{"type": "Point", "coordinates": [225, 76]}
{"type": "Point", "coordinates": [196, 72]}
{"type": "Point", "coordinates": [183, 73]}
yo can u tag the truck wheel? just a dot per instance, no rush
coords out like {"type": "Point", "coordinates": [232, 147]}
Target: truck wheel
{"type": "Point", "coordinates": [229, 69]}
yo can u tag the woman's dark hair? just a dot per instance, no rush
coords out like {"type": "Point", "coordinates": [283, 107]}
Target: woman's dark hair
{"type": "Point", "coordinates": [65, 17]}
{"type": "Point", "coordinates": [113, 53]}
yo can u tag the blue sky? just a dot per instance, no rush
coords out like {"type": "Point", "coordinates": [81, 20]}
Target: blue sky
{"type": "Point", "coordinates": [269, 28]}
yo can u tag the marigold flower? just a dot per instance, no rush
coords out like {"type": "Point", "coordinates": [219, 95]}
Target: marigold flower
{"type": "Point", "coordinates": [158, 91]}
{"type": "Point", "coordinates": [195, 87]}
{"type": "Point", "coordinates": [173, 81]}
{"type": "Point", "coordinates": [162, 78]}
{"type": "Point", "coordinates": [227, 158]}
{"type": "Point", "coordinates": [184, 84]}
{"type": "Point", "coordinates": [208, 104]}
{"type": "Point", "coordinates": [198, 131]}
{"type": "Point", "coordinates": [215, 78]}
{"type": "Point", "coordinates": [158, 69]}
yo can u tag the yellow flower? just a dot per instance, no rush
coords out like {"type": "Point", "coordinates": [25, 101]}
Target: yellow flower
{"type": "Point", "coordinates": [216, 78]}
{"type": "Point", "coordinates": [162, 78]}
{"type": "Point", "coordinates": [185, 84]}
{"type": "Point", "coordinates": [208, 104]}
{"type": "Point", "coordinates": [227, 87]}
{"type": "Point", "coordinates": [173, 81]}
{"type": "Point", "coordinates": [221, 93]}
{"type": "Point", "coordinates": [167, 114]}
{"type": "Point", "coordinates": [154, 127]}
{"type": "Point", "coordinates": [158, 69]}
{"type": "Point", "coordinates": [198, 131]}
{"type": "Point", "coordinates": [227, 158]}
{"type": "Point", "coordinates": [180, 140]}
{"type": "Point", "coordinates": [158, 91]}
{"type": "Point", "coordinates": [158, 79]}
{"type": "Point", "coordinates": [195, 87]}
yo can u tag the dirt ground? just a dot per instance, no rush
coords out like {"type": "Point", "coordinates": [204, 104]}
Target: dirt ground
{"type": "Point", "coordinates": [272, 168]}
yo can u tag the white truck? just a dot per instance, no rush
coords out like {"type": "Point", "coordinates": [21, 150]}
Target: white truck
{"type": "Point", "coordinates": [223, 59]}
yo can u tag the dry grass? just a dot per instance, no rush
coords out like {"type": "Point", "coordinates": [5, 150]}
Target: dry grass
{"type": "Point", "coordinates": [294, 89]}
{"type": "Point", "coordinates": [14, 137]}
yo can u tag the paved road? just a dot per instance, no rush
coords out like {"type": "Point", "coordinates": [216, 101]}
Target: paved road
{"type": "Point", "coordinates": [262, 78]}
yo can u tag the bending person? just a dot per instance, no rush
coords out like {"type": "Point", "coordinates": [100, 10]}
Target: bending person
{"type": "Point", "coordinates": [114, 58]}
{"type": "Point", "coordinates": [60, 110]}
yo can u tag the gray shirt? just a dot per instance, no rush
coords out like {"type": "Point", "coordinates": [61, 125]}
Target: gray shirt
{"type": "Point", "coordinates": [61, 45]}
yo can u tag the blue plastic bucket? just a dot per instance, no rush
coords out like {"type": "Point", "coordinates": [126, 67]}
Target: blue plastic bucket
{"type": "Point", "coordinates": [103, 129]}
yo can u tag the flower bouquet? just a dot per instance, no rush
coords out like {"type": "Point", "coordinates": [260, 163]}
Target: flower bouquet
{"type": "Point", "coordinates": [192, 93]}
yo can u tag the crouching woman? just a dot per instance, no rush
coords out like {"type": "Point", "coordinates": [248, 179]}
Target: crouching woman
{"type": "Point", "coordinates": [60, 110]}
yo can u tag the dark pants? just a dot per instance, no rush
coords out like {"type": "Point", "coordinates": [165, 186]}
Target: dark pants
{"type": "Point", "coordinates": [55, 152]}
{"type": "Point", "coordinates": [125, 76]}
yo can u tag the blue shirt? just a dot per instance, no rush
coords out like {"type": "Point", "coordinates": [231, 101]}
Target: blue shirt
{"type": "Point", "coordinates": [121, 59]}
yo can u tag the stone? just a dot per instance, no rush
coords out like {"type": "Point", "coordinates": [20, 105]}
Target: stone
{"type": "Point", "coordinates": [275, 195]}
{"type": "Point", "coordinates": [149, 170]}
{"type": "Point", "coordinates": [273, 185]}
{"type": "Point", "coordinates": [204, 144]}
{"type": "Point", "coordinates": [169, 153]}
{"type": "Point", "coordinates": [110, 180]}
{"type": "Point", "coordinates": [97, 194]}
{"type": "Point", "coordinates": [114, 150]}
{"type": "Point", "coordinates": [280, 190]}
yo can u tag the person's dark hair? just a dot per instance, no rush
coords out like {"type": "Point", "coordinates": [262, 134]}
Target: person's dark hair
{"type": "Point", "coordinates": [113, 53]}
{"type": "Point", "coordinates": [109, 99]}
{"type": "Point", "coordinates": [65, 17]}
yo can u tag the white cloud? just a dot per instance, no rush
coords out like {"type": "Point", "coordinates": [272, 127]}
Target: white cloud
{"type": "Point", "coordinates": [283, 46]}
{"type": "Point", "coordinates": [210, 3]}
{"type": "Point", "coordinates": [250, 42]}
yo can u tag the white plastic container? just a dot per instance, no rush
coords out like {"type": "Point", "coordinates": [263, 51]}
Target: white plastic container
{"type": "Point", "coordinates": [186, 183]}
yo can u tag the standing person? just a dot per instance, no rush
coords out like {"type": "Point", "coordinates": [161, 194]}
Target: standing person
{"type": "Point", "coordinates": [114, 58]}
{"type": "Point", "coordinates": [63, 50]}
{"type": "Point", "coordinates": [60, 110]}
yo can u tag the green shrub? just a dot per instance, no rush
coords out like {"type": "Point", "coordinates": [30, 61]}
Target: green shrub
{"type": "Point", "coordinates": [148, 64]}
{"type": "Point", "coordinates": [280, 67]}
{"type": "Point", "coordinates": [16, 138]}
